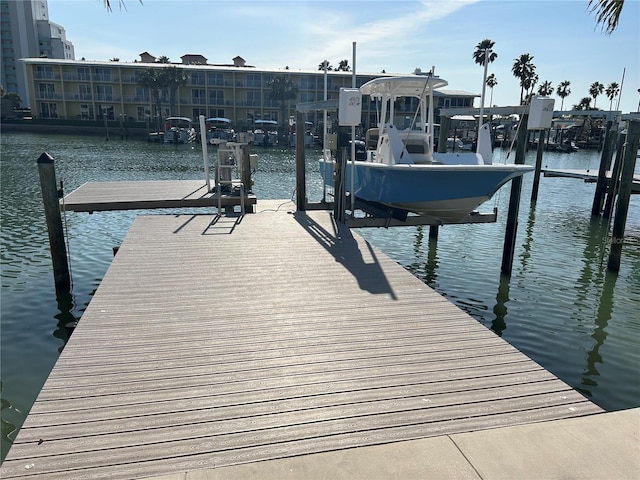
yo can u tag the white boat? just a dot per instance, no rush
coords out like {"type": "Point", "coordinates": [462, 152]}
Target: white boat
{"type": "Point", "coordinates": [265, 133]}
{"type": "Point", "coordinates": [309, 139]}
{"type": "Point", "coordinates": [401, 169]}
{"type": "Point", "coordinates": [179, 130]}
{"type": "Point", "coordinates": [219, 130]}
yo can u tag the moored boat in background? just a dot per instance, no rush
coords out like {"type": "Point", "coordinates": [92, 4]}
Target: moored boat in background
{"type": "Point", "coordinates": [179, 130]}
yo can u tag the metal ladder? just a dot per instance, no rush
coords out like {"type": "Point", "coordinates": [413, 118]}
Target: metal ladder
{"type": "Point", "coordinates": [230, 161]}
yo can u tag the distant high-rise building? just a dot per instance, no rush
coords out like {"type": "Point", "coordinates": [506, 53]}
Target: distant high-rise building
{"type": "Point", "coordinates": [27, 32]}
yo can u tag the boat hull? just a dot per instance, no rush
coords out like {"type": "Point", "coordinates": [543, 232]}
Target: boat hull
{"type": "Point", "coordinates": [445, 192]}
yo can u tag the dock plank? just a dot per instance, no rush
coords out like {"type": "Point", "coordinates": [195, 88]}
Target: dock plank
{"type": "Point", "coordinates": [215, 341]}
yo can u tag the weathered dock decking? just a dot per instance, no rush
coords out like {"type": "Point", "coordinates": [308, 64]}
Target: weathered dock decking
{"type": "Point", "coordinates": [216, 341]}
{"type": "Point", "coordinates": [128, 195]}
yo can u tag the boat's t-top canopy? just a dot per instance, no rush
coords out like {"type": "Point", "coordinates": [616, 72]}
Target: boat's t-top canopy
{"type": "Point", "coordinates": [388, 89]}
{"type": "Point", "coordinates": [218, 120]}
{"type": "Point", "coordinates": [402, 86]}
{"type": "Point", "coordinates": [266, 122]}
{"type": "Point", "coordinates": [179, 119]}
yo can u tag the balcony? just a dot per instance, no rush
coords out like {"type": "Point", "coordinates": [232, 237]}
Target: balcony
{"type": "Point", "coordinates": [79, 97]}
{"type": "Point", "coordinates": [46, 76]}
{"type": "Point", "coordinates": [48, 96]}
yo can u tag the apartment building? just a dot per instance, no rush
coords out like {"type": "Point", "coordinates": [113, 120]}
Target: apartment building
{"type": "Point", "coordinates": [99, 90]}
{"type": "Point", "coordinates": [25, 32]}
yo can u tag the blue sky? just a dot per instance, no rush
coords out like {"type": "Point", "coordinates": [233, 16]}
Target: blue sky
{"type": "Point", "coordinates": [397, 36]}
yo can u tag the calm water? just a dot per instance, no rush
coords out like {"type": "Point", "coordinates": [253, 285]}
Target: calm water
{"type": "Point", "coordinates": [561, 306]}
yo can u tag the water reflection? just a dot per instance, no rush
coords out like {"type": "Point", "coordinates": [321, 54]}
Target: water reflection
{"type": "Point", "coordinates": [424, 269]}
{"type": "Point", "coordinates": [499, 325]}
{"type": "Point", "coordinates": [67, 321]}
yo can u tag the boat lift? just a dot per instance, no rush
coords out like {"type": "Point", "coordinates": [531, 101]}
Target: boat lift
{"type": "Point", "coordinates": [362, 213]}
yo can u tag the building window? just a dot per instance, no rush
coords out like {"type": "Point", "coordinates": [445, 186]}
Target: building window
{"type": "Point", "coordinates": [86, 111]}
{"type": "Point", "coordinates": [106, 111]}
{"type": "Point", "coordinates": [253, 99]}
{"type": "Point", "coordinates": [198, 96]}
{"type": "Point", "coordinates": [83, 74]}
{"type": "Point", "coordinates": [306, 97]}
{"type": "Point", "coordinates": [84, 91]}
{"type": "Point", "coordinates": [142, 94]}
{"type": "Point", "coordinates": [216, 113]}
{"type": "Point", "coordinates": [104, 93]}
{"type": "Point", "coordinates": [216, 97]}
{"type": "Point", "coordinates": [102, 74]}
{"type": "Point", "coordinates": [46, 91]}
{"type": "Point", "coordinates": [44, 72]}
{"type": "Point", "coordinates": [215, 79]}
{"type": "Point", "coordinates": [48, 110]}
{"type": "Point", "coordinates": [308, 83]}
{"type": "Point", "coordinates": [144, 114]}
{"type": "Point", "coordinates": [253, 80]}
{"type": "Point", "coordinates": [197, 78]}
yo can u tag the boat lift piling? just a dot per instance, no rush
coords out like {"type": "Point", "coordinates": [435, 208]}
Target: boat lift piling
{"type": "Point", "coordinates": [617, 166]}
{"type": "Point", "coordinates": [51, 200]}
{"type": "Point", "coordinates": [622, 206]}
{"type": "Point", "coordinates": [605, 165]}
{"type": "Point", "coordinates": [514, 202]}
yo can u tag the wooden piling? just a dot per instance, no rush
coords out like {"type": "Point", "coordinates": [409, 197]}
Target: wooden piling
{"type": "Point", "coordinates": [50, 199]}
{"type": "Point", "coordinates": [536, 177]}
{"type": "Point", "coordinates": [301, 188]}
{"type": "Point", "coordinates": [444, 134]}
{"type": "Point", "coordinates": [612, 191]}
{"type": "Point", "coordinates": [514, 202]}
{"type": "Point", "coordinates": [601, 184]}
{"type": "Point", "coordinates": [622, 207]}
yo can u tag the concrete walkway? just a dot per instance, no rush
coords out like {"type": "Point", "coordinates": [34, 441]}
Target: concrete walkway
{"type": "Point", "coordinates": [598, 447]}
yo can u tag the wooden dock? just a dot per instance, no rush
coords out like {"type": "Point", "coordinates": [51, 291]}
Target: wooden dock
{"type": "Point", "coordinates": [589, 176]}
{"type": "Point", "coordinates": [127, 195]}
{"type": "Point", "coordinates": [216, 341]}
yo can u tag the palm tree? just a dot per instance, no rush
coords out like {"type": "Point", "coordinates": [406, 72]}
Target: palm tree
{"type": "Point", "coordinates": [524, 70]}
{"type": "Point", "coordinates": [343, 66]}
{"type": "Point", "coordinates": [327, 63]}
{"type": "Point", "coordinates": [563, 91]}
{"type": "Point", "coordinates": [484, 55]}
{"type": "Point", "coordinates": [595, 89]}
{"type": "Point", "coordinates": [481, 48]}
{"type": "Point", "coordinates": [612, 92]}
{"type": "Point", "coordinates": [545, 89]}
{"type": "Point", "coordinates": [607, 13]}
{"type": "Point", "coordinates": [585, 104]}
{"type": "Point", "coordinates": [491, 82]}
{"type": "Point", "coordinates": [282, 91]}
{"type": "Point", "coordinates": [151, 79]}
{"type": "Point", "coordinates": [173, 78]}
{"type": "Point", "coordinates": [163, 59]}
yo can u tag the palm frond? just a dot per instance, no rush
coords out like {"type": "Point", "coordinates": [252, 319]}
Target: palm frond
{"type": "Point", "coordinates": [607, 13]}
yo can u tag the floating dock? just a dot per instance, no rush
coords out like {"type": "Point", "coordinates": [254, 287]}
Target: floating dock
{"type": "Point", "coordinates": [150, 194]}
{"type": "Point", "coordinates": [222, 341]}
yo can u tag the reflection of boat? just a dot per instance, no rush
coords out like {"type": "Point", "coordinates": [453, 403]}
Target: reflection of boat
{"type": "Point", "coordinates": [179, 130]}
{"type": "Point", "coordinates": [265, 133]}
{"type": "Point", "coordinates": [219, 130]}
{"type": "Point", "coordinates": [402, 170]}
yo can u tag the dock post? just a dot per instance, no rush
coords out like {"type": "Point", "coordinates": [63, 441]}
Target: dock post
{"type": "Point", "coordinates": [301, 188]}
{"type": "Point", "coordinates": [536, 177]}
{"type": "Point", "coordinates": [444, 134]}
{"type": "Point", "coordinates": [601, 184]}
{"type": "Point", "coordinates": [514, 202]}
{"type": "Point", "coordinates": [246, 174]}
{"type": "Point", "coordinates": [622, 207]}
{"type": "Point", "coordinates": [47, 172]}
{"type": "Point", "coordinates": [615, 178]}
